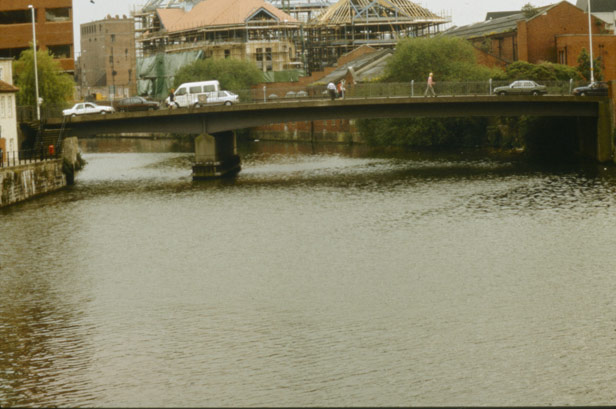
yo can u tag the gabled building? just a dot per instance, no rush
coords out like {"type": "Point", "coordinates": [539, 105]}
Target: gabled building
{"type": "Point", "coordinates": [557, 33]}
{"type": "Point", "coordinates": [349, 24]}
{"type": "Point", "coordinates": [54, 29]}
{"type": "Point", "coordinates": [8, 112]}
{"type": "Point", "coordinates": [244, 29]}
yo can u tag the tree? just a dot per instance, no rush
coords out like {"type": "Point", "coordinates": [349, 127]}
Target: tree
{"type": "Point", "coordinates": [449, 58]}
{"type": "Point", "coordinates": [529, 10]}
{"type": "Point", "coordinates": [233, 74]}
{"type": "Point", "coordinates": [545, 71]}
{"type": "Point", "coordinates": [55, 86]}
{"type": "Point", "coordinates": [584, 66]}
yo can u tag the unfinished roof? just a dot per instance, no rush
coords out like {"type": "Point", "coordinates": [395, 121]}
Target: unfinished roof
{"type": "Point", "coordinates": [152, 5]}
{"type": "Point", "coordinates": [221, 13]}
{"type": "Point", "coordinates": [385, 11]}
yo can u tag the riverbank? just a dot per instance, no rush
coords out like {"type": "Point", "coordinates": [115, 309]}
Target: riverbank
{"type": "Point", "coordinates": [28, 180]}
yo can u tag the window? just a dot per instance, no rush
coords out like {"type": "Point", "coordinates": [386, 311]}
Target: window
{"type": "Point", "coordinates": [181, 91]}
{"type": "Point", "coordinates": [17, 16]}
{"type": "Point", "coordinates": [113, 38]}
{"type": "Point", "coordinates": [209, 88]}
{"type": "Point", "coordinates": [227, 53]}
{"type": "Point", "coordinates": [259, 54]}
{"type": "Point", "coordinates": [60, 51]}
{"type": "Point", "coordinates": [195, 90]}
{"type": "Point", "coordinates": [60, 14]}
{"type": "Point", "coordinates": [2, 109]}
{"type": "Point", "coordinates": [9, 106]}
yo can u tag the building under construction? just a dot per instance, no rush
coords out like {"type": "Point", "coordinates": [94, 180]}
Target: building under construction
{"type": "Point", "coordinates": [349, 24]}
{"type": "Point", "coordinates": [279, 34]}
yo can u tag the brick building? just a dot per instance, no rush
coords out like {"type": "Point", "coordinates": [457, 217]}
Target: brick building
{"type": "Point", "coordinates": [54, 29]}
{"type": "Point", "coordinates": [557, 33]}
{"type": "Point", "coordinates": [107, 63]}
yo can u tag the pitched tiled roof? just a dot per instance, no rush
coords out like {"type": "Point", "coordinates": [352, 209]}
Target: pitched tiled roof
{"type": "Point", "coordinates": [6, 87]}
{"type": "Point", "coordinates": [218, 13]}
{"type": "Point", "coordinates": [496, 25]}
{"type": "Point", "coordinates": [597, 6]}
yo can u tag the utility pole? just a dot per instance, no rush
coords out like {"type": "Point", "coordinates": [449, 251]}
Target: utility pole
{"type": "Point", "coordinates": [36, 84]}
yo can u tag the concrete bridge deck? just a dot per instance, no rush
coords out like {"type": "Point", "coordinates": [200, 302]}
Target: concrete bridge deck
{"type": "Point", "coordinates": [214, 119]}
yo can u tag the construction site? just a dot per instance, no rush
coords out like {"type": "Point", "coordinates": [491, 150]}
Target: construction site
{"type": "Point", "coordinates": [282, 34]}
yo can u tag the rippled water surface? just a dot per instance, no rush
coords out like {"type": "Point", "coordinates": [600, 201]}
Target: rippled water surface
{"type": "Point", "coordinates": [319, 277]}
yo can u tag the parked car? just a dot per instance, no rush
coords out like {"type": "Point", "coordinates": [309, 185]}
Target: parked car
{"type": "Point", "coordinates": [83, 108]}
{"type": "Point", "coordinates": [523, 87]}
{"type": "Point", "coordinates": [596, 88]}
{"type": "Point", "coordinates": [136, 104]}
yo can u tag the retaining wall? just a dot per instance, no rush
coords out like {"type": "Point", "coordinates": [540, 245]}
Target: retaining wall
{"type": "Point", "coordinates": [22, 182]}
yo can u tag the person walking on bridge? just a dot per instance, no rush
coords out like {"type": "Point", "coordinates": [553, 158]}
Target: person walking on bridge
{"type": "Point", "coordinates": [429, 88]}
{"type": "Point", "coordinates": [331, 88]}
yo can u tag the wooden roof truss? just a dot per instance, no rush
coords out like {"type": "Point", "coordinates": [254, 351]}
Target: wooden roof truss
{"type": "Point", "coordinates": [377, 11]}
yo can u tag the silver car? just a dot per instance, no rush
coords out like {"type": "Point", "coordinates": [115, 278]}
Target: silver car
{"type": "Point", "coordinates": [220, 98]}
{"type": "Point", "coordinates": [84, 108]}
{"type": "Point", "coordinates": [522, 87]}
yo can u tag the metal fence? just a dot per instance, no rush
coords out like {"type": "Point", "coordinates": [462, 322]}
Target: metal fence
{"type": "Point", "coordinates": [26, 156]}
{"type": "Point", "coordinates": [291, 92]}
{"type": "Point", "coordinates": [272, 93]}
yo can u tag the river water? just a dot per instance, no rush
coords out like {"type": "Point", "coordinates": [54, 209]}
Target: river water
{"type": "Point", "coordinates": [318, 277]}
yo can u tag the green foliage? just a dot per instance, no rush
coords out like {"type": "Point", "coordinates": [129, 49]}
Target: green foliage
{"type": "Point", "coordinates": [55, 86]}
{"type": "Point", "coordinates": [529, 10]}
{"type": "Point", "coordinates": [449, 58]}
{"type": "Point", "coordinates": [233, 74]}
{"type": "Point", "coordinates": [584, 66]}
{"type": "Point", "coordinates": [545, 71]}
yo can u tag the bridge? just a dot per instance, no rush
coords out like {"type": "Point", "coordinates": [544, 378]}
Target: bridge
{"type": "Point", "coordinates": [215, 145]}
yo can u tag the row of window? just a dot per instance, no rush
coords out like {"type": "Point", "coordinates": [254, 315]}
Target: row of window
{"type": "Point", "coordinates": [6, 106]}
{"type": "Point", "coordinates": [25, 16]}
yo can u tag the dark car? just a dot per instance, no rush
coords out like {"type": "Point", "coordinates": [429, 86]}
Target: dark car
{"type": "Point", "coordinates": [136, 104]}
{"type": "Point", "coordinates": [523, 87]}
{"type": "Point", "coordinates": [594, 89]}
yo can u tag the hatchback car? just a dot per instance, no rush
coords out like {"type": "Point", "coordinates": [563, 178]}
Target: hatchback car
{"type": "Point", "coordinates": [592, 89]}
{"type": "Point", "coordinates": [523, 87]}
{"type": "Point", "coordinates": [84, 108]}
{"type": "Point", "coordinates": [136, 104]}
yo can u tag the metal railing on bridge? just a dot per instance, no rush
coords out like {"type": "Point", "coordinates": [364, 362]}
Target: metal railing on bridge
{"type": "Point", "coordinates": [290, 92]}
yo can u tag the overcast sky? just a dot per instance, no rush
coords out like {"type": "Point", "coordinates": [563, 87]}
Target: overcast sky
{"type": "Point", "coordinates": [462, 12]}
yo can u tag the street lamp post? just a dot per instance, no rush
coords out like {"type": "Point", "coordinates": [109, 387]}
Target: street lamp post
{"type": "Point", "coordinates": [36, 85]}
{"type": "Point", "coordinates": [592, 75]}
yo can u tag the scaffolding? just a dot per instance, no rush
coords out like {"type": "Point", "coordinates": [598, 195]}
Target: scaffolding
{"type": "Point", "coordinates": [349, 24]}
{"type": "Point", "coordinates": [316, 35]}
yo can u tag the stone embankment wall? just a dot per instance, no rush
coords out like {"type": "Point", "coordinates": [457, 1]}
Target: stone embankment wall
{"type": "Point", "coordinates": [25, 181]}
{"type": "Point", "coordinates": [22, 182]}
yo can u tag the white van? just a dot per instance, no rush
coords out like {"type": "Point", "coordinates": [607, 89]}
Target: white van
{"type": "Point", "coordinates": [196, 93]}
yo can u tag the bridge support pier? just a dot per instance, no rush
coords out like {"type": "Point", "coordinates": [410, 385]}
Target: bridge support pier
{"type": "Point", "coordinates": [215, 156]}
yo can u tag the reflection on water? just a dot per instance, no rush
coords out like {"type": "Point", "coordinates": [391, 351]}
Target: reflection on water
{"type": "Point", "coordinates": [319, 276]}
